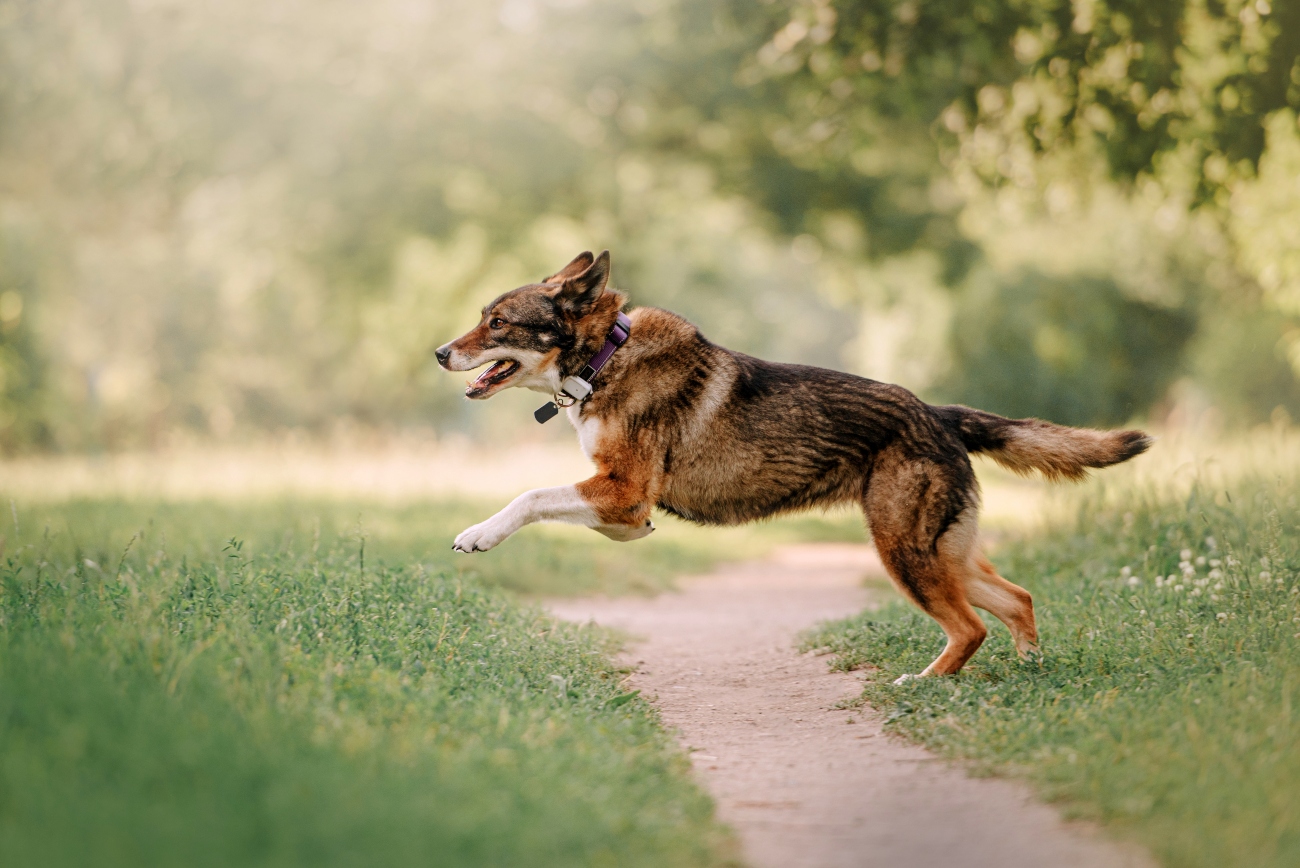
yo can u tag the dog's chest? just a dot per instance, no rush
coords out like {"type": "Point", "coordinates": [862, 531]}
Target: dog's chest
{"type": "Point", "coordinates": [589, 430]}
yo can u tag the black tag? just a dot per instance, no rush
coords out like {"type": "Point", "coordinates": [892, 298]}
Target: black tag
{"type": "Point", "coordinates": [546, 412]}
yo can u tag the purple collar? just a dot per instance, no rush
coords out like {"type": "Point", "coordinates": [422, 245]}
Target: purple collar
{"type": "Point", "coordinates": [577, 388]}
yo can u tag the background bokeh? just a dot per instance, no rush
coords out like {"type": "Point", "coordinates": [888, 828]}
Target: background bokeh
{"type": "Point", "coordinates": [220, 221]}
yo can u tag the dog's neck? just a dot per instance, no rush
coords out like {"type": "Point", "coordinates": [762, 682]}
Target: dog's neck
{"type": "Point", "coordinates": [590, 333]}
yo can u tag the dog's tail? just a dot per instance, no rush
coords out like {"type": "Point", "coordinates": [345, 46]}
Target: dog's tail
{"type": "Point", "coordinates": [1026, 445]}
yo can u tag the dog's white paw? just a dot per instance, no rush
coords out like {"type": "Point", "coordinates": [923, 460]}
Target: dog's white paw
{"type": "Point", "coordinates": [903, 679]}
{"type": "Point", "coordinates": [481, 537]}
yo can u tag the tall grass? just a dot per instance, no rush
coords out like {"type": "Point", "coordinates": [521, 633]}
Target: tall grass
{"type": "Point", "coordinates": [1167, 701]}
{"type": "Point", "coordinates": [180, 696]}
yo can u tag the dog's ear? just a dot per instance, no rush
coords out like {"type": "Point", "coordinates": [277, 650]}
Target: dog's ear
{"type": "Point", "coordinates": [579, 292]}
{"type": "Point", "coordinates": [580, 263]}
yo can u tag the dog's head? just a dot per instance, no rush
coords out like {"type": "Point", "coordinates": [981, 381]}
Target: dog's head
{"type": "Point", "coordinates": [536, 335]}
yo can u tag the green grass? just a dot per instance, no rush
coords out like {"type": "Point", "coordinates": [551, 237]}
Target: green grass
{"type": "Point", "coordinates": [548, 559]}
{"type": "Point", "coordinates": [286, 684]}
{"type": "Point", "coordinates": [1168, 710]}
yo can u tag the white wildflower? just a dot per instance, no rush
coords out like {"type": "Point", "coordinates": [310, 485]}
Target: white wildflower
{"type": "Point", "coordinates": [1125, 572]}
{"type": "Point", "coordinates": [1265, 575]}
{"type": "Point", "coordinates": [1222, 616]}
{"type": "Point", "coordinates": [1200, 562]}
{"type": "Point", "coordinates": [1196, 592]}
{"type": "Point", "coordinates": [1218, 586]}
{"type": "Point", "coordinates": [1211, 543]}
{"type": "Point", "coordinates": [1178, 587]}
{"type": "Point", "coordinates": [1216, 563]}
{"type": "Point", "coordinates": [1134, 581]}
{"type": "Point", "coordinates": [1185, 554]}
{"type": "Point", "coordinates": [1216, 574]}
{"type": "Point", "coordinates": [1263, 562]}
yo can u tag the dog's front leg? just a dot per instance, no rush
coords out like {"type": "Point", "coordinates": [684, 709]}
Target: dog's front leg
{"type": "Point", "coordinates": [589, 504]}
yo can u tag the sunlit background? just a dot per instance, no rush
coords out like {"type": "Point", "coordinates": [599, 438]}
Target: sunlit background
{"type": "Point", "coordinates": [227, 222]}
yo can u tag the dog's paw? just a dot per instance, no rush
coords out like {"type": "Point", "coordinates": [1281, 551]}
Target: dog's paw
{"type": "Point", "coordinates": [481, 537]}
{"type": "Point", "coordinates": [903, 679]}
{"type": "Point", "coordinates": [1030, 654]}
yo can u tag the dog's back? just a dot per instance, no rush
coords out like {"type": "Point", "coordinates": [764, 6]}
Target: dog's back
{"type": "Point", "coordinates": [789, 437]}
{"type": "Point", "coordinates": [744, 438]}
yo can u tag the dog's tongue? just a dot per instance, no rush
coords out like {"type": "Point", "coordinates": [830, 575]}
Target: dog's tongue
{"type": "Point", "coordinates": [490, 370]}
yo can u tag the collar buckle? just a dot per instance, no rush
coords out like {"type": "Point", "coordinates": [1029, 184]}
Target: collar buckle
{"type": "Point", "coordinates": [576, 388]}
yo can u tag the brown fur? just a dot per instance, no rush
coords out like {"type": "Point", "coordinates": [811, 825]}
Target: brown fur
{"type": "Point", "coordinates": [719, 437]}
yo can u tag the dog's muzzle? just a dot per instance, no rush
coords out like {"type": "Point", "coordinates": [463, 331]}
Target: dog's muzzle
{"type": "Point", "coordinates": [443, 355]}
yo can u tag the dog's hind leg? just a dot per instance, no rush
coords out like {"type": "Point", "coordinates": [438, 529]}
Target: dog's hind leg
{"type": "Point", "coordinates": [1010, 603]}
{"type": "Point", "coordinates": [965, 632]}
{"type": "Point", "coordinates": [922, 518]}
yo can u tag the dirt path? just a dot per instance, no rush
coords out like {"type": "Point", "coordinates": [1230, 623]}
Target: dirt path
{"type": "Point", "coordinates": [806, 786]}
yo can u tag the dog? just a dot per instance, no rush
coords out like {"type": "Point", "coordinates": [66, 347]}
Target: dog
{"type": "Point", "coordinates": [717, 437]}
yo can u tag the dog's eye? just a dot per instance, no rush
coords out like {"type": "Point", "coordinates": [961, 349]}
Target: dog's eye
{"type": "Point", "coordinates": [497, 322]}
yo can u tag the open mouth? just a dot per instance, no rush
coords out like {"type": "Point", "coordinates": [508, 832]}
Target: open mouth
{"type": "Point", "coordinates": [496, 374]}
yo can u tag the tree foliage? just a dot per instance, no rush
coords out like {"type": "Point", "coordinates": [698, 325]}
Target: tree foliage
{"type": "Point", "coordinates": [232, 216]}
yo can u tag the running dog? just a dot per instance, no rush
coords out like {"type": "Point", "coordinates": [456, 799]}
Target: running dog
{"type": "Point", "coordinates": [717, 437]}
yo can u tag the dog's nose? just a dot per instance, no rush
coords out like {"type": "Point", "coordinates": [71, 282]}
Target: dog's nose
{"type": "Point", "coordinates": [442, 354]}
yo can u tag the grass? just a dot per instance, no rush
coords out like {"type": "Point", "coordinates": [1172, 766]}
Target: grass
{"type": "Point", "coordinates": [271, 676]}
{"type": "Point", "coordinates": [1167, 703]}
{"type": "Point", "coordinates": [286, 684]}
{"type": "Point", "coordinates": [551, 560]}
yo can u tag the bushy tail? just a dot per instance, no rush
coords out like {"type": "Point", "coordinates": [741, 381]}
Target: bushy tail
{"type": "Point", "coordinates": [1026, 445]}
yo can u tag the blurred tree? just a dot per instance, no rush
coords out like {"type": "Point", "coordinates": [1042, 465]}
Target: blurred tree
{"type": "Point", "coordinates": [263, 213]}
{"type": "Point", "coordinates": [1140, 80]}
{"type": "Point", "coordinates": [1240, 358]}
{"type": "Point", "coordinates": [22, 368]}
{"type": "Point", "coordinates": [1076, 351]}
{"type": "Point", "coordinates": [890, 113]}
{"type": "Point", "coordinates": [754, 91]}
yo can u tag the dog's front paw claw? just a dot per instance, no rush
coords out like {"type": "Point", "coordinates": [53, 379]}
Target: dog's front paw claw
{"type": "Point", "coordinates": [903, 679]}
{"type": "Point", "coordinates": [479, 538]}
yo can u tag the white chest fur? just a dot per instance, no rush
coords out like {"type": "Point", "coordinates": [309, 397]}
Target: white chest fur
{"type": "Point", "coordinates": [589, 430]}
